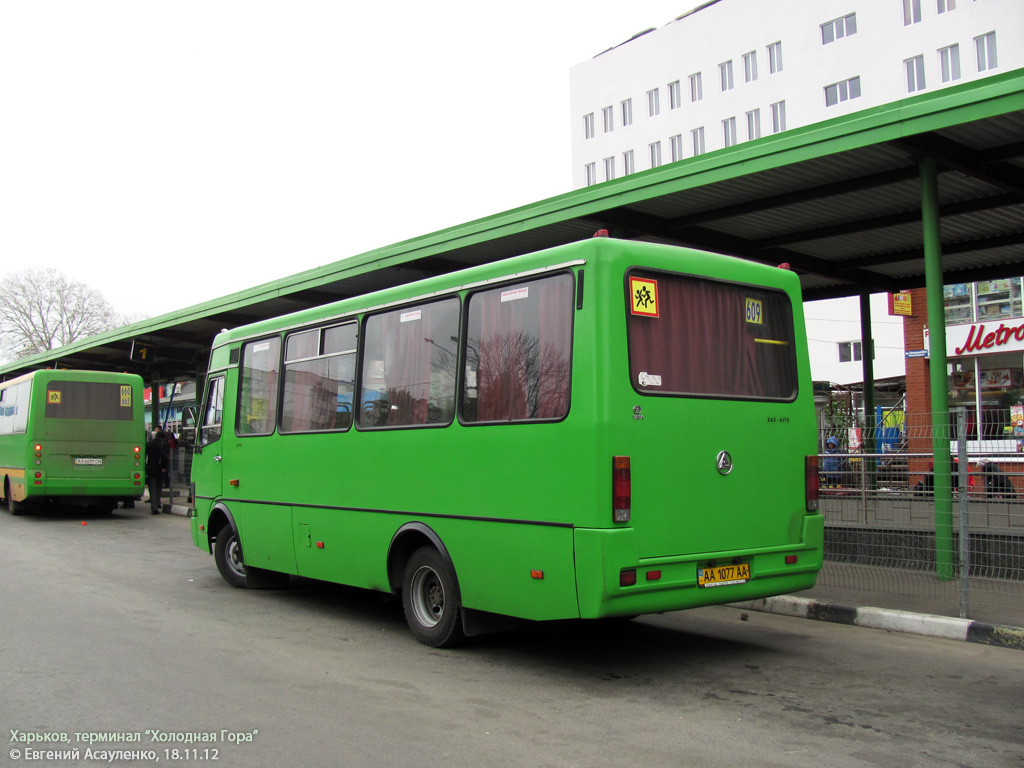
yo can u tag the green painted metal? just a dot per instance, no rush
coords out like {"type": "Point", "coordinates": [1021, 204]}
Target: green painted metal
{"type": "Point", "coordinates": [938, 378]}
{"type": "Point", "coordinates": [91, 461]}
{"type": "Point", "coordinates": [509, 501]}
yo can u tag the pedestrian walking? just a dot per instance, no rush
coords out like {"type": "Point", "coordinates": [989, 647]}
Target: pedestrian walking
{"type": "Point", "coordinates": [157, 461]}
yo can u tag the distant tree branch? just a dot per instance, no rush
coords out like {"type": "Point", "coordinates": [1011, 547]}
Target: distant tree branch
{"type": "Point", "coordinates": [44, 310]}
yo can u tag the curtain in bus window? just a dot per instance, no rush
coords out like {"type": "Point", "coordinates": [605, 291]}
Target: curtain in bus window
{"type": "Point", "coordinates": [518, 352]}
{"type": "Point", "coordinates": [87, 400]}
{"type": "Point", "coordinates": [409, 366]}
{"type": "Point", "coordinates": [317, 394]}
{"type": "Point", "coordinates": [712, 338]}
{"type": "Point", "coordinates": [257, 402]}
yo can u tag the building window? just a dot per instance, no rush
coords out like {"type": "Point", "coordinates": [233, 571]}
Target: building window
{"type": "Point", "coordinates": [729, 131]}
{"type": "Point", "coordinates": [588, 126]}
{"type": "Point", "coordinates": [725, 73]}
{"type": "Point", "coordinates": [654, 102]}
{"type": "Point", "coordinates": [609, 168]}
{"type": "Point", "coordinates": [915, 74]}
{"type": "Point", "coordinates": [696, 87]}
{"type": "Point", "coordinates": [591, 172]}
{"type": "Point", "coordinates": [775, 57]}
{"type": "Point", "coordinates": [949, 63]}
{"type": "Point", "coordinates": [838, 29]}
{"type": "Point", "coordinates": [628, 166]}
{"type": "Point", "coordinates": [608, 115]}
{"type": "Point", "coordinates": [698, 141]}
{"type": "Point", "coordinates": [750, 67]}
{"type": "Point", "coordinates": [655, 154]}
{"type": "Point", "coordinates": [778, 117]}
{"type": "Point", "coordinates": [849, 351]}
{"type": "Point", "coordinates": [986, 46]}
{"type": "Point", "coordinates": [911, 12]}
{"type": "Point", "coordinates": [676, 145]}
{"type": "Point", "coordinates": [627, 112]}
{"type": "Point", "coordinates": [844, 91]}
{"type": "Point", "coordinates": [753, 124]}
{"type": "Point", "coordinates": [675, 99]}
{"type": "Point", "coordinates": [946, 5]}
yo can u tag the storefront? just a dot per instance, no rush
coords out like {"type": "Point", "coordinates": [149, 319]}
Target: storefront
{"type": "Point", "coordinates": [986, 361]}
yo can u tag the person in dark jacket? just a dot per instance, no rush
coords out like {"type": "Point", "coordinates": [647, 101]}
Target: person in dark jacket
{"type": "Point", "coordinates": [996, 481]}
{"type": "Point", "coordinates": [157, 460]}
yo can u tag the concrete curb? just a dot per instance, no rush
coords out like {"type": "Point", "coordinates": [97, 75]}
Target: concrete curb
{"type": "Point", "coordinates": [928, 625]}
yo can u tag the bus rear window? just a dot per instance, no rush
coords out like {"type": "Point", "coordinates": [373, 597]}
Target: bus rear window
{"type": "Point", "coordinates": [706, 338]}
{"type": "Point", "coordinates": [103, 401]}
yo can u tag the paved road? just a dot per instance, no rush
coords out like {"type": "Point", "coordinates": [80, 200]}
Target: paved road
{"type": "Point", "coordinates": [121, 625]}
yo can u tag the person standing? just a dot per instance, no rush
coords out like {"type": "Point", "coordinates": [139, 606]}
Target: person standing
{"type": "Point", "coordinates": [157, 461]}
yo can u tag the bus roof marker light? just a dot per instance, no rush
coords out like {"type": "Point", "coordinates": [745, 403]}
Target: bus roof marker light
{"type": "Point", "coordinates": [621, 490]}
{"type": "Point", "coordinates": [601, 233]}
{"type": "Point", "coordinates": [535, 574]}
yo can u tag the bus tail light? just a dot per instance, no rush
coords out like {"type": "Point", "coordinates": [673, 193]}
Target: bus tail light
{"type": "Point", "coordinates": [811, 482]}
{"type": "Point", "coordinates": [621, 489]}
{"type": "Point", "coordinates": [37, 478]}
{"type": "Point", "coordinates": [39, 450]}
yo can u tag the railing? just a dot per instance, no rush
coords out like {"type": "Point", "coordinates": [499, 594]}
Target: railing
{"type": "Point", "coordinates": [897, 532]}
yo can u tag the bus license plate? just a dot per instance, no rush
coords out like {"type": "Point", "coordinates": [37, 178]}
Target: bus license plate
{"type": "Point", "coordinates": [722, 575]}
{"type": "Point", "coordinates": [89, 462]}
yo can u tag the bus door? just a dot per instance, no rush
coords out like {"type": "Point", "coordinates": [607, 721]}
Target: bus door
{"type": "Point", "coordinates": [207, 458]}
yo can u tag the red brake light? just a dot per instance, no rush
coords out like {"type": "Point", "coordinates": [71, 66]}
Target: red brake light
{"type": "Point", "coordinates": [621, 489]}
{"type": "Point", "coordinates": [627, 578]}
{"type": "Point", "coordinates": [811, 482]}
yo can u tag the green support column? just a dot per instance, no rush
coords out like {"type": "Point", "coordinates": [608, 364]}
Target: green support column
{"type": "Point", "coordinates": [867, 354]}
{"type": "Point", "coordinates": [938, 377]}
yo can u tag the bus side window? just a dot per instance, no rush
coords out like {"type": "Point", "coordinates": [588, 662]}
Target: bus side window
{"type": "Point", "coordinates": [213, 412]}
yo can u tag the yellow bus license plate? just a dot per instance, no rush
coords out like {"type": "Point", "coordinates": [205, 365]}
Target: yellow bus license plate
{"type": "Point", "coordinates": [722, 575]}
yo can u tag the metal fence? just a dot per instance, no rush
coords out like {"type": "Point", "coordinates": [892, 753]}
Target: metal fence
{"type": "Point", "coordinates": [900, 532]}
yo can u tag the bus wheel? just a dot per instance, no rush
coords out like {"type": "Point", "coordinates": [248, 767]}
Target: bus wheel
{"type": "Point", "coordinates": [429, 592]}
{"type": "Point", "coordinates": [228, 554]}
{"type": "Point", "coordinates": [14, 507]}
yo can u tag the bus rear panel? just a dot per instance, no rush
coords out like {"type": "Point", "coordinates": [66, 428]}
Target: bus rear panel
{"type": "Point", "coordinates": [72, 437]}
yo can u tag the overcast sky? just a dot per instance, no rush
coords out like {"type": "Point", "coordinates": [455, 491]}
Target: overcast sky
{"type": "Point", "coordinates": [167, 153]}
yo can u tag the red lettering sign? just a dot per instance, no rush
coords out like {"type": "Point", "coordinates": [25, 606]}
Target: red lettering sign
{"type": "Point", "coordinates": [978, 340]}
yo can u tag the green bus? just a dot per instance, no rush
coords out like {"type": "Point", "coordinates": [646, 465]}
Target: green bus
{"type": "Point", "coordinates": [602, 429]}
{"type": "Point", "coordinates": [72, 437]}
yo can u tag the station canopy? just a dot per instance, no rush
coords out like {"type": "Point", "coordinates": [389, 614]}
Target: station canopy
{"type": "Point", "coordinates": [839, 201]}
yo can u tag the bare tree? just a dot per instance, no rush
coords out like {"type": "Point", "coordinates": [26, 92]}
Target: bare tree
{"type": "Point", "coordinates": [43, 310]}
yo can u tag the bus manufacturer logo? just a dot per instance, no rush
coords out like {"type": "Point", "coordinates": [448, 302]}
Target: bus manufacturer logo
{"type": "Point", "coordinates": [724, 463]}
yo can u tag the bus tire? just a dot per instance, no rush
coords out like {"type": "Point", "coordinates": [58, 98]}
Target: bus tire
{"type": "Point", "coordinates": [430, 599]}
{"type": "Point", "coordinates": [228, 554]}
{"type": "Point", "coordinates": [14, 507]}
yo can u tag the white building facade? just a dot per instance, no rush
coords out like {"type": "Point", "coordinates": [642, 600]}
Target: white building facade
{"type": "Point", "coordinates": [732, 71]}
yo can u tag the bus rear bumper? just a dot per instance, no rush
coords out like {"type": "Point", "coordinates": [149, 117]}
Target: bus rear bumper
{"type": "Point", "coordinates": [671, 583]}
{"type": "Point", "coordinates": [79, 491]}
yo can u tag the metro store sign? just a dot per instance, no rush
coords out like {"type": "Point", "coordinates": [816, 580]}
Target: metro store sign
{"type": "Point", "coordinates": [982, 338]}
